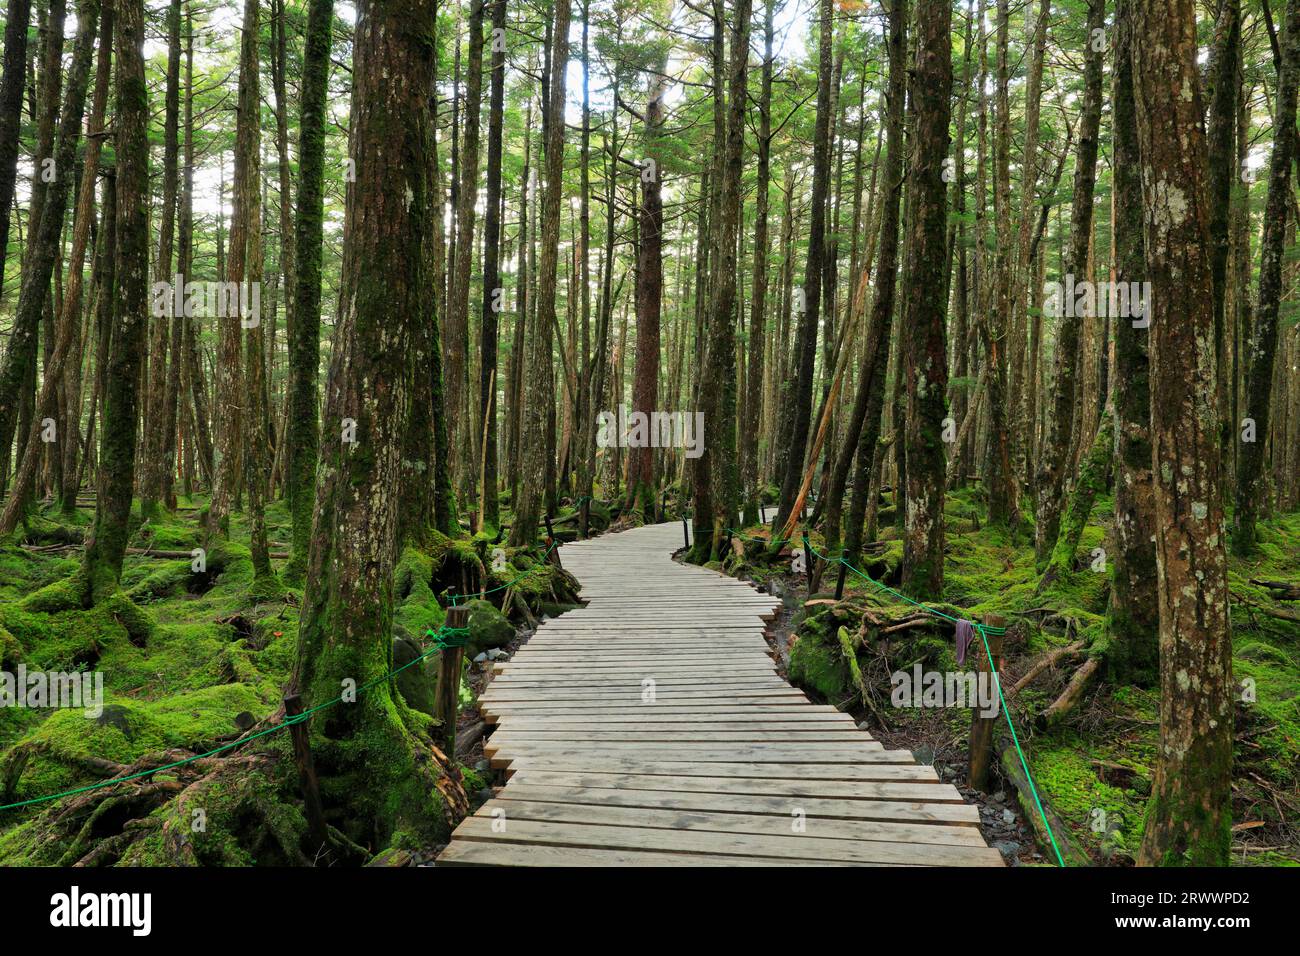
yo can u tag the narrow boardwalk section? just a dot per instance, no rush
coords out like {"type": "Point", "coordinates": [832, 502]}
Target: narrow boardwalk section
{"type": "Point", "coordinates": [651, 728]}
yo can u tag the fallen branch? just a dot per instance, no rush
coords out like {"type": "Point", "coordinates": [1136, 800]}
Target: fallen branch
{"type": "Point", "coordinates": [1281, 613]}
{"type": "Point", "coordinates": [1043, 663]}
{"type": "Point", "coordinates": [1072, 694]}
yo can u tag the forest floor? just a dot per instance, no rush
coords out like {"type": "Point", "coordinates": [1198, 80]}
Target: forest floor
{"type": "Point", "coordinates": [191, 661]}
{"type": "Point", "coordinates": [1093, 767]}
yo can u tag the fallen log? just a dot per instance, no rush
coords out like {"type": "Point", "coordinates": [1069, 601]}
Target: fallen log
{"type": "Point", "coordinates": [1072, 694]}
{"type": "Point", "coordinates": [1286, 590]}
{"type": "Point", "coordinates": [1043, 663]}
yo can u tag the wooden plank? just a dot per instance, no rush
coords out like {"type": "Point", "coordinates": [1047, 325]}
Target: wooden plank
{"type": "Point", "coordinates": [791, 846]}
{"type": "Point", "coordinates": [474, 853]}
{"type": "Point", "coordinates": [782, 817]}
{"type": "Point", "coordinates": [965, 816]}
{"type": "Point", "coordinates": [897, 791]}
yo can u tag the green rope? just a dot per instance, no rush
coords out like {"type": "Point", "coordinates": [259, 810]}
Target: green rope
{"type": "Point", "coordinates": [997, 682]}
{"type": "Point", "coordinates": [444, 637]}
{"type": "Point", "coordinates": [984, 630]}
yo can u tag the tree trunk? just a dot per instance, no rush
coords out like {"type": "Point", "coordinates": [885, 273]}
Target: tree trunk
{"type": "Point", "coordinates": [541, 362]}
{"type": "Point", "coordinates": [379, 770]}
{"type": "Point", "coordinates": [1058, 448]}
{"type": "Point", "coordinates": [107, 542]}
{"type": "Point", "coordinates": [302, 440]}
{"type": "Point", "coordinates": [649, 294]}
{"type": "Point", "coordinates": [1189, 818]}
{"type": "Point", "coordinates": [806, 337]}
{"type": "Point", "coordinates": [1263, 347]}
{"type": "Point", "coordinates": [925, 366]}
{"type": "Point", "coordinates": [864, 420]}
{"type": "Point", "coordinates": [17, 18]}
{"type": "Point", "coordinates": [493, 295]}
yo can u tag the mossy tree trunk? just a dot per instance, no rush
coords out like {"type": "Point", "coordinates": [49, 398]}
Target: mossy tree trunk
{"type": "Point", "coordinates": [1133, 618]}
{"type": "Point", "coordinates": [369, 760]}
{"type": "Point", "coordinates": [245, 266]}
{"type": "Point", "coordinates": [1189, 818]}
{"type": "Point", "coordinates": [302, 440]}
{"type": "Point", "coordinates": [1091, 483]}
{"type": "Point", "coordinates": [107, 543]}
{"type": "Point", "coordinates": [925, 360]}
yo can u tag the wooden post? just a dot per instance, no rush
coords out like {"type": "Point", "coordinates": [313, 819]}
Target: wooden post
{"type": "Point", "coordinates": [550, 532]}
{"type": "Point", "coordinates": [839, 582]}
{"type": "Point", "coordinates": [981, 727]}
{"type": "Point", "coordinates": [446, 694]}
{"type": "Point", "coordinates": [808, 562]}
{"type": "Point", "coordinates": [686, 533]}
{"type": "Point", "coordinates": [306, 772]}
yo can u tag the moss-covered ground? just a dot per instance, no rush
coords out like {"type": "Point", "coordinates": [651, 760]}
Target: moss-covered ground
{"type": "Point", "coordinates": [1095, 765]}
{"type": "Point", "coordinates": [190, 659]}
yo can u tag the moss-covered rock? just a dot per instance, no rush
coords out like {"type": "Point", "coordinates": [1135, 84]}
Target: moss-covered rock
{"type": "Point", "coordinates": [488, 627]}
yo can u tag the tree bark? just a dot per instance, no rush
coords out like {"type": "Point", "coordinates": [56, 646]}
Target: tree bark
{"type": "Point", "coordinates": [302, 440]}
{"type": "Point", "coordinates": [107, 542]}
{"type": "Point", "coordinates": [1189, 817]}
{"type": "Point", "coordinates": [925, 364]}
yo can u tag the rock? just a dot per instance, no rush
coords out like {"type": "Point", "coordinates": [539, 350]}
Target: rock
{"type": "Point", "coordinates": [488, 627]}
{"type": "Point", "coordinates": [1008, 817]}
{"type": "Point", "coordinates": [496, 654]}
{"type": "Point", "coordinates": [481, 658]}
{"type": "Point", "coordinates": [1007, 847]}
{"type": "Point", "coordinates": [1000, 796]}
{"type": "Point", "coordinates": [485, 794]}
{"type": "Point", "coordinates": [483, 765]}
{"type": "Point", "coordinates": [862, 725]}
{"type": "Point", "coordinates": [244, 720]}
{"type": "Point", "coordinates": [415, 683]}
{"type": "Point", "coordinates": [924, 755]}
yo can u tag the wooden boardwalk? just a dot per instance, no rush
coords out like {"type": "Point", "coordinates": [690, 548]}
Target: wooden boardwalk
{"type": "Point", "coordinates": [651, 728]}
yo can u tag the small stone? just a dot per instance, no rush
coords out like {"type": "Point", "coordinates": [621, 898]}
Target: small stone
{"type": "Point", "coordinates": [862, 725]}
{"type": "Point", "coordinates": [1007, 847]}
{"type": "Point", "coordinates": [999, 796]}
{"type": "Point", "coordinates": [480, 658]}
{"type": "Point", "coordinates": [482, 765]}
{"type": "Point", "coordinates": [1008, 817]}
{"type": "Point", "coordinates": [496, 654]}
